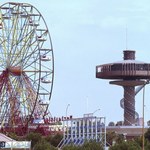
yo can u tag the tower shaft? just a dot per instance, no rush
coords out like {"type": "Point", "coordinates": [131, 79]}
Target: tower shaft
{"type": "Point", "coordinates": [129, 105]}
{"type": "Point", "coordinates": [130, 117]}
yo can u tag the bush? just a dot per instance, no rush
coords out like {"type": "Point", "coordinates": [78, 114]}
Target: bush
{"type": "Point", "coordinates": [147, 134]}
{"type": "Point", "coordinates": [55, 140]}
{"type": "Point", "coordinates": [92, 145]}
{"type": "Point", "coordinates": [72, 147]}
{"type": "Point", "coordinates": [130, 145]}
{"type": "Point", "coordinates": [89, 145]}
{"type": "Point", "coordinates": [43, 145]}
{"type": "Point", "coordinates": [34, 138]}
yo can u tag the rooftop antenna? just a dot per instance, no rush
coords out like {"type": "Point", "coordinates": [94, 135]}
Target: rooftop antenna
{"type": "Point", "coordinates": [126, 37]}
{"type": "Point", "coordinates": [87, 104]}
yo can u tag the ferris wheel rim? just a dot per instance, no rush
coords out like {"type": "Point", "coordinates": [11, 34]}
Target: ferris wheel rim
{"type": "Point", "coordinates": [52, 72]}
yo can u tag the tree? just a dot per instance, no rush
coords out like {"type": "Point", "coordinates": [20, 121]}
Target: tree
{"type": "Point", "coordinates": [34, 138]}
{"type": "Point", "coordinates": [110, 137]}
{"type": "Point", "coordinates": [130, 145]}
{"type": "Point", "coordinates": [119, 123]}
{"type": "Point", "coordinates": [147, 146]}
{"type": "Point", "coordinates": [71, 147]}
{"type": "Point", "coordinates": [139, 140]}
{"type": "Point", "coordinates": [88, 145]}
{"type": "Point", "coordinates": [120, 138]}
{"type": "Point", "coordinates": [92, 145]}
{"type": "Point", "coordinates": [147, 134]}
{"type": "Point", "coordinates": [14, 136]}
{"type": "Point", "coordinates": [55, 140]}
{"type": "Point", "coordinates": [148, 122]}
{"type": "Point", "coordinates": [43, 145]}
{"type": "Point", "coordinates": [111, 124]}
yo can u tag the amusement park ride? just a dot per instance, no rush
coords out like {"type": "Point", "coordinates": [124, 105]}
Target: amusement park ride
{"type": "Point", "coordinates": [26, 68]}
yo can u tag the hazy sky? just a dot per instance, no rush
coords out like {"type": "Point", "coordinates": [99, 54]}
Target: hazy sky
{"type": "Point", "coordinates": [86, 33]}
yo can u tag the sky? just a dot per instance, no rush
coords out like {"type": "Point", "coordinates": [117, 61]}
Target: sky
{"type": "Point", "coordinates": [86, 33]}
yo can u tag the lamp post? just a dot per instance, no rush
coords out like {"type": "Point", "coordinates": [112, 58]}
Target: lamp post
{"type": "Point", "coordinates": [95, 111]}
{"type": "Point", "coordinates": [67, 119]}
{"type": "Point", "coordinates": [67, 110]}
{"type": "Point", "coordinates": [143, 119]}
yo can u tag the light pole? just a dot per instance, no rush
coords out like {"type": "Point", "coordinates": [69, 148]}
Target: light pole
{"type": "Point", "coordinates": [67, 110]}
{"type": "Point", "coordinates": [143, 119]}
{"type": "Point", "coordinates": [66, 118]}
{"type": "Point", "coordinates": [95, 111]}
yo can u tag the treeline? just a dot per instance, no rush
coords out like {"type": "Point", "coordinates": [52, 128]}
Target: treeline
{"type": "Point", "coordinates": [114, 142]}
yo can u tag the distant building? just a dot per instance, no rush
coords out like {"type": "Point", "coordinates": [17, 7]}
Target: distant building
{"type": "Point", "coordinates": [78, 130]}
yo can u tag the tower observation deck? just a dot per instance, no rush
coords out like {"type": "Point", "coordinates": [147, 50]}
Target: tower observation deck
{"type": "Point", "coordinates": [127, 73]}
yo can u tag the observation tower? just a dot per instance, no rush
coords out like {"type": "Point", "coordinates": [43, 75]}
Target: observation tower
{"type": "Point", "coordinates": [127, 73]}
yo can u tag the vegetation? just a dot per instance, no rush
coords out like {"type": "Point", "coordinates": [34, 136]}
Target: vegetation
{"type": "Point", "coordinates": [130, 145]}
{"type": "Point", "coordinates": [110, 138]}
{"type": "Point", "coordinates": [114, 141]}
{"type": "Point", "coordinates": [44, 145]}
{"type": "Point", "coordinates": [89, 145]}
{"type": "Point", "coordinates": [147, 135]}
{"type": "Point", "coordinates": [54, 140]}
{"type": "Point", "coordinates": [111, 124]}
{"type": "Point", "coordinates": [120, 123]}
{"type": "Point", "coordinates": [148, 122]}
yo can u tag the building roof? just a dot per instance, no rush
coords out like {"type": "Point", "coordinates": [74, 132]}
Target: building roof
{"type": "Point", "coordinates": [129, 62]}
{"type": "Point", "coordinates": [5, 138]}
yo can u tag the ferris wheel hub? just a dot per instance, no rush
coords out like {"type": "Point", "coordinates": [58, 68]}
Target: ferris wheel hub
{"type": "Point", "coordinates": [15, 70]}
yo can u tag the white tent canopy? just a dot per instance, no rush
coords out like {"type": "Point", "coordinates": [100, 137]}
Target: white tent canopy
{"type": "Point", "coordinates": [5, 138]}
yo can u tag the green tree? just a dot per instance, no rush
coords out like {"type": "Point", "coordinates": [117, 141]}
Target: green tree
{"type": "Point", "coordinates": [147, 146]}
{"type": "Point", "coordinates": [43, 145]}
{"type": "Point", "coordinates": [88, 145]}
{"type": "Point", "coordinates": [130, 145]}
{"type": "Point", "coordinates": [92, 145]}
{"type": "Point", "coordinates": [34, 138]}
{"type": "Point", "coordinates": [110, 137]}
{"type": "Point", "coordinates": [55, 140]}
{"type": "Point", "coordinates": [111, 124]}
{"type": "Point", "coordinates": [71, 147]}
{"type": "Point", "coordinates": [139, 141]}
{"type": "Point", "coordinates": [147, 134]}
{"type": "Point", "coordinates": [120, 138]}
{"type": "Point", "coordinates": [48, 138]}
{"type": "Point", "coordinates": [148, 122]}
{"type": "Point", "coordinates": [14, 136]}
{"type": "Point", "coordinates": [119, 123]}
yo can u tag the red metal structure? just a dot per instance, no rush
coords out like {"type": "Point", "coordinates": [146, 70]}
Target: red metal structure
{"type": "Point", "coordinates": [26, 67]}
{"type": "Point", "coordinates": [128, 73]}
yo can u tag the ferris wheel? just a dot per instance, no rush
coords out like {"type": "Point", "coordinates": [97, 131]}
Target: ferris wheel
{"type": "Point", "coordinates": [26, 64]}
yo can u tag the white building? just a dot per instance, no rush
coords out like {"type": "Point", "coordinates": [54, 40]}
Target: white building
{"type": "Point", "coordinates": [78, 130]}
